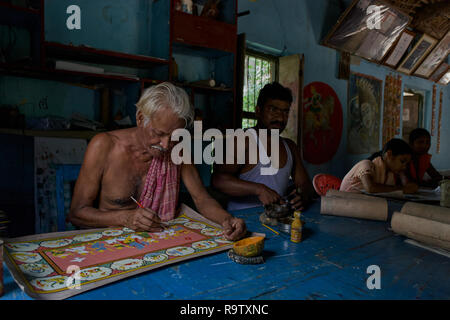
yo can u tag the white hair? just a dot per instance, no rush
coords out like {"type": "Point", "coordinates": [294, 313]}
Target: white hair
{"type": "Point", "coordinates": [165, 95]}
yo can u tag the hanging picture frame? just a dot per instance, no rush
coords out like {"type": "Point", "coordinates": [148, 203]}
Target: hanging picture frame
{"type": "Point", "coordinates": [445, 79]}
{"type": "Point", "coordinates": [439, 72]}
{"type": "Point", "coordinates": [435, 58]}
{"type": "Point", "coordinates": [363, 110]}
{"type": "Point", "coordinates": [417, 54]}
{"type": "Point", "coordinates": [366, 33]}
{"type": "Point", "coordinates": [393, 57]}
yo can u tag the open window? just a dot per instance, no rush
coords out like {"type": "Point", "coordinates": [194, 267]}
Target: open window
{"type": "Point", "coordinates": [260, 69]}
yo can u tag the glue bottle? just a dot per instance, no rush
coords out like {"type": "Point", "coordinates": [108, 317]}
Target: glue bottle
{"type": "Point", "coordinates": [296, 228]}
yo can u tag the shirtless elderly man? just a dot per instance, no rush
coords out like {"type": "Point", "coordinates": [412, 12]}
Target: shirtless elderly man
{"type": "Point", "coordinates": [137, 162]}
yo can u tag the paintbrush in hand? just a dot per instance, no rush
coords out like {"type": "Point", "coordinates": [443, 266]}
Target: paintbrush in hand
{"type": "Point", "coordinates": [141, 206]}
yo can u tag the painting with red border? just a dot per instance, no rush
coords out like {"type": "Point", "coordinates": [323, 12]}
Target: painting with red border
{"type": "Point", "coordinates": [44, 264]}
{"type": "Point", "coordinates": [322, 123]}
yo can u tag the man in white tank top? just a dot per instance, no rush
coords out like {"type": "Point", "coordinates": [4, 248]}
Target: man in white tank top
{"type": "Point", "coordinates": [244, 183]}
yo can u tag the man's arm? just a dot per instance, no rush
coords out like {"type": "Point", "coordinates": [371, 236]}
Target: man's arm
{"type": "Point", "coordinates": [300, 177]}
{"type": "Point", "coordinates": [234, 228]}
{"type": "Point", "coordinates": [82, 211]}
{"type": "Point", "coordinates": [372, 187]}
{"type": "Point", "coordinates": [225, 179]}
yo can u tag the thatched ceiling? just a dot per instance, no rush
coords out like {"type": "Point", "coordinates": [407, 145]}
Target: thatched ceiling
{"type": "Point", "coordinates": [429, 16]}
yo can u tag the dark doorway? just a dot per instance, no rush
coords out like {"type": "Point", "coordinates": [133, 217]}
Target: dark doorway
{"type": "Point", "coordinates": [412, 111]}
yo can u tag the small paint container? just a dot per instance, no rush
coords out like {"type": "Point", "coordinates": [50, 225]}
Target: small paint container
{"type": "Point", "coordinates": [445, 193]}
{"type": "Point", "coordinates": [285, 225]}
{"type": "Point", "coordinates": [1, 268]}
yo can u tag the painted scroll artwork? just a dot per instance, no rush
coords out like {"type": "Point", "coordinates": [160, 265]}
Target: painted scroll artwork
{"type": "Point", "coordinates": [44, 264]}
{"type": "Point", "coordinates": [392, 102]}
{"type": "Point", "coordinates": [364, 114]}
{"type": "Point", "coordinates": [322, 123]}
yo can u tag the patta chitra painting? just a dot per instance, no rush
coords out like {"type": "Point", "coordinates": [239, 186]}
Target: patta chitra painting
{"type": "Point", "coordinates": [44, 264]}
{"type": "Point", "coordinates": [322, 123]}
{"type": "Point", "coordinates": [364, 114]}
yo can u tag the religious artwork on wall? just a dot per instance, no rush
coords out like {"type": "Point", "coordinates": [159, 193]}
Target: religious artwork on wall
{"type": "Point", "coordinates": [49, 152]}
{"type": "Point", "coordinates": [392, 105]}
{"type": "Point", "coordinates": [322, 123]}
{"type": "Point", "coordinates": [439, 72]}
{"type": "Point", "coordinates": [433, 111]}
{"type": "Point", "coordinates": [417, 54]}
{"type": "Point", "coordinates": [393, 57]}
{"type": "Point", "coordinates": [43, 264]}
{"type": "Point", "coordinates": [365, 32]}
{"type": "Point", "coordinates": [290, 76]}
{"type": "Point", "coordinates": [445, 79]}
{"type": "Point", "coordinates": [363, 129]}
{"type": "Point", "coordinates": [435, 58]}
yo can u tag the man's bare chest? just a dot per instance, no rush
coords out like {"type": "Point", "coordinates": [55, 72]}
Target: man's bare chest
{"type": "Point", "coordinates": [120, 182]}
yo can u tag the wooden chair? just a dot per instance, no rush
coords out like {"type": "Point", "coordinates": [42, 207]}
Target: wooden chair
{"type": "Point", "coordinates": [65, 174]}
{"type": "Point", "coordinates": [324, 182]}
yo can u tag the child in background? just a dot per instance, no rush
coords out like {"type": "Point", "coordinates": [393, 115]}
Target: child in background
{"type": "Point", "coordinates": [384, 172]}
{"type": "Point", "coordinates": [420, 142]}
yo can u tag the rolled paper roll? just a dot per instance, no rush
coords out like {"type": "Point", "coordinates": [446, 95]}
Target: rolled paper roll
{"type": "Point", "coordinates": [431, 232]}
{"type": "Point", "coordinates": [349, 195]}
{"type": "Point", "coordinates": [371, 209]}
{"type": "Point", "coordinates": [425, 211]}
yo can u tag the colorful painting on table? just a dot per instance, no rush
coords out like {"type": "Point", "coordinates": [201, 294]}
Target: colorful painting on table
{"type": "Point", "coordinates": [322, 123]}
{"type": "Point", "coordinates": [44, 265]}
{"type": "Point", "coordinates": [364, 105]}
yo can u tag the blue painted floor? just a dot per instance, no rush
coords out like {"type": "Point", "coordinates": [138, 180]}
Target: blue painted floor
{"type": "Point", "coordinates": [330, 263]}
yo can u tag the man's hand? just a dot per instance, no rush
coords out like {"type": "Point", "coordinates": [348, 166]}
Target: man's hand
{"type": "Point", "coordinates": [143, 220]}
{"type": "Point", "coordinates": [410, 188]}
{"type": "Point", "coordinates": [234, 228]}
{"type": "Point", "coordinates": [297, 201]}
{"type": "Point", "coordinates": [267, 195]}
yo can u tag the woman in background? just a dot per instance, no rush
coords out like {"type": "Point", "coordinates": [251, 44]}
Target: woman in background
{"type": "Point", "coordinates": [420, 142]}
{"type": "Point", "coordinates": [384, 171]}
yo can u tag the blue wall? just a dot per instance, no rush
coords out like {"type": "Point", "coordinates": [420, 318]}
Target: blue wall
{"type": "Point", "coordinates": [118, 25]}
{"type": "Point", "coordinates": [285, 27]}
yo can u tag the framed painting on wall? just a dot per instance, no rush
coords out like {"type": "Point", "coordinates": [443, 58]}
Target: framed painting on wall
{"type": "Point", "coordinates": [439, 54]}
{"type": "Point", "coordinates": [367, 33]}
{"type": "Point", "coordinates": [393, 57]}
{"type": "Point", "coordinates": [439, 72]}
{"type": "Point", "coordinates": [417, 54]}
{"type": "Point", "coordinates": [445, 79]}
{"type": "Point", "coordinates": [364, 105]}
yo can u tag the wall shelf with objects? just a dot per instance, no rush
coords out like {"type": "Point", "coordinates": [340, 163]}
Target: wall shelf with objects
{"type": "Point", "coordinates": [202, 49]}
{"type": "Point", "coordinates": [122, 48]}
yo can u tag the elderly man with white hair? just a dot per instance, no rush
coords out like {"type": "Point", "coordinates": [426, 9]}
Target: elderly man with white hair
{"type": "Point", "coordinates": [136, 162]}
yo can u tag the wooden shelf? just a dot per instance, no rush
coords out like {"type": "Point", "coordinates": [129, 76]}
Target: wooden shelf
{"type": "Point", "coordinates": [63, 75]}
{"type": "Point", "coordinates": [74, 134]}
{"type": "Point", "coordinates": [204, 32]}
{"type": "Point", "coordinates": [197, 87]}
{"type": "Point", "coordinates": [91, 55]}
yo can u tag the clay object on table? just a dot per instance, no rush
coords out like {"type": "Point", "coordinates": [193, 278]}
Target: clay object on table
{"type": "Point", "coordinates": [278, 211]}
{"type": "Point", "coordinates": [266, 220]}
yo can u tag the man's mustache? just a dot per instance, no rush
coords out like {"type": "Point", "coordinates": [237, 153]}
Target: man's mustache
{"type": "Point", "coordinates": [160, 148]}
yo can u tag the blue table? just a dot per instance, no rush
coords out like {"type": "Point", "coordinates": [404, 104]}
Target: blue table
{"type": "Point", "coordinates": [330, 263]}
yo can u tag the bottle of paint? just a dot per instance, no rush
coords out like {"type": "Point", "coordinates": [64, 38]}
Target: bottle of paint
{"type": "Point", "coordinates": [296, 228]}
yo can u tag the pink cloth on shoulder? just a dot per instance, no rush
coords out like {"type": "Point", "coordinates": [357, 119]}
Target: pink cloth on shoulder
{"type": "Point", "coordinates": [162, 184]}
